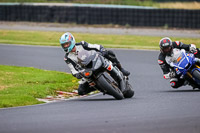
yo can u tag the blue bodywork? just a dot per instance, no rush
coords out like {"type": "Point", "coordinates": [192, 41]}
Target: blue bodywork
{"type": "Point", "coordinates": [184, 64]}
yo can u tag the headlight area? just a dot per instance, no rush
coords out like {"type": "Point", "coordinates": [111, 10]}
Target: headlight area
{"type": "Point", "coordinates": [87, 74]}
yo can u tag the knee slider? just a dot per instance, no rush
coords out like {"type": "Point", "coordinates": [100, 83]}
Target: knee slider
{"type": "Point", "coordinates": [80, 92]}
{"type": "Point", "coordinates": [173, 83]}
{"type": "Point", "coordinates": [81, 88]}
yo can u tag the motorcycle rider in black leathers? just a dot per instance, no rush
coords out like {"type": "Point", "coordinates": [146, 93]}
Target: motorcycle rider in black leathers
{"type": "Point", "coordinates": [166, 49]}
{"type": "Point", "coordinates": [72, 48]}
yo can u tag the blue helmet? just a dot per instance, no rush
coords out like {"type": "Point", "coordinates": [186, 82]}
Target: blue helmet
{"type": "Point", "coordinates": [67, 38]}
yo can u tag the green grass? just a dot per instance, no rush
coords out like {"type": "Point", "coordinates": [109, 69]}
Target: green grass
{"type": "Point", "coordinates": [20, 86]}
{"type": "Point", "coordinates": [108, 41]}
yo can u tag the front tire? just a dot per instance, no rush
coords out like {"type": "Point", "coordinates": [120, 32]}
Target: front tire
{"type": "Point", "coordinates": [106, 84]}
{"type": "Point", "coordinates": [196, 74]}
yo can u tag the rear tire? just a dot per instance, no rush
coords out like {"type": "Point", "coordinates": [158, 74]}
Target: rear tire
{"type": "Point", "coordinates": [130, 92]}
{"type": "Point", "coordinates": [112, 90]}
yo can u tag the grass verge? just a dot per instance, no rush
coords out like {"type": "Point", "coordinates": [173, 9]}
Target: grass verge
{"type": "Point", "coordinates": [180, 5]}
{"type": "Point", "coordinates": [20, 86]}
{"type": "Point", "coordinates": [49, 38]}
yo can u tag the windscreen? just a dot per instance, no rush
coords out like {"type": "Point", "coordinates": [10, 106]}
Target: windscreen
{"type": "Point", "coordinates": [85, 57]}
{"type": "Point", "coordinates": [177, 56]}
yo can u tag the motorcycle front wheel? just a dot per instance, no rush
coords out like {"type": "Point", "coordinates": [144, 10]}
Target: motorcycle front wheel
{"type": "Point", "coordinates": [196, 74]}
{"type": "Point", "coordinates": [106, 84]}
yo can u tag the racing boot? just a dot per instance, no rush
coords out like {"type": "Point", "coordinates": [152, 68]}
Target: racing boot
{"type": "Point", "coordinates": [112, 57]}
{"type": "Point", "coordinates": [125, 72]}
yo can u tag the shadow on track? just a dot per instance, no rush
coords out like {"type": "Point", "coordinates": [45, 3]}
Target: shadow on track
{"type": "Point", "coordinates": [102, 99]}
{"type": "Point", "coordinates": [97, 99]}
{"type": "Point", "coordinates": [182, 91]}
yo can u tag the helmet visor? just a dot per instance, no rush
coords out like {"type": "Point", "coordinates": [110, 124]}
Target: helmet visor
{"type": "Point", "coordinates": [167, 50]}
{"type": "Point", "coordinates": [66, 45]}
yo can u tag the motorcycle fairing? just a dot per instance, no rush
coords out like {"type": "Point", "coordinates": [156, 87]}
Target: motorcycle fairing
{"type": "Point", "coordinates": [183, 63]}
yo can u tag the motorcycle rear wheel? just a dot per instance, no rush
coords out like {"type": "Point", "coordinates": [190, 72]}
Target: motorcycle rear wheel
{"type": "Point", "coordinates": [130, 92]}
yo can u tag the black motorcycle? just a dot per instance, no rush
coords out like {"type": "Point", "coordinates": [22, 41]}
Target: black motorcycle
{"type": "Point", "coordinates": [102, 75]}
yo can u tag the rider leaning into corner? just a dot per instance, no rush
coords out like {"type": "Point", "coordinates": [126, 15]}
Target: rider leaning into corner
{"type": "Point", "coordinates": [72, 48]}
{"type": "Point", "coordinates": [166, 50]}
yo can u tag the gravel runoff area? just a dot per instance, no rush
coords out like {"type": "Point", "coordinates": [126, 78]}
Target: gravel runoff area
{"type": "Point", "coordinates": [101, 29]}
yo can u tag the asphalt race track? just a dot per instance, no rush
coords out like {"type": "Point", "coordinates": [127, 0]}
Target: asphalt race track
{"type": "Point", "coordinates": [155, 108]}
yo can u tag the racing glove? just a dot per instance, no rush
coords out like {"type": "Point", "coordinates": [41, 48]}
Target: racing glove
{"type": "Point", "coordinates": [78, 76]}
{"type": "Point", "coordinates": [197, 60]}
{"type": "Point", "coordinates": [170, 75]}
{"type": "Point", "coordinates": [192, 48]}
{"type": "Point", "coordinates": [103, 51]}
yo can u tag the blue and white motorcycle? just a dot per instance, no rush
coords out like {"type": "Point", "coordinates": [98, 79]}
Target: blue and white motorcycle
{"type": "Point", "coordinates": [186, 66]}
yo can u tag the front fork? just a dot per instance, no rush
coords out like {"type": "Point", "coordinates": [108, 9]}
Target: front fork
{"type": "Point", "coordinates": [116, 74]}
{"type": "Point", "coordinates": [189, 74]}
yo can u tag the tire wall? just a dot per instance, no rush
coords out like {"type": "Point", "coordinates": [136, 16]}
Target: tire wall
{"type": "Point", "coordinates": [102, 15]}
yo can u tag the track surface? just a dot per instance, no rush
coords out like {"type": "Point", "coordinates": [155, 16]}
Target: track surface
{"type": "Point", "coordinates": [155, 108]}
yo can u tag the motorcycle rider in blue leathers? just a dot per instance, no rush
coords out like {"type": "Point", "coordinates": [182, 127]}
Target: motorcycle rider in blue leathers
{"type": "Point", "coordinates": [72, 48]}
{"type": "Point", "coordinates": [166, 49]}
